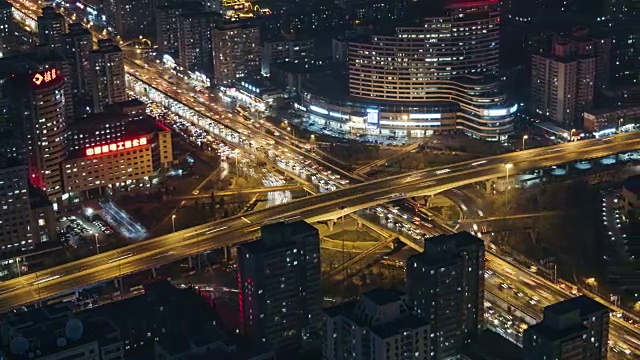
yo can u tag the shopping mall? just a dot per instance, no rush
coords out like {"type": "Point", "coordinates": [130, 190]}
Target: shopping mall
{"type": "Point", "coordinates": [439, 76]}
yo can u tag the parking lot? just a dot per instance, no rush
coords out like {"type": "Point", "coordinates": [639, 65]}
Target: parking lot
{"type": "Point", "coordinates": [77, 231]}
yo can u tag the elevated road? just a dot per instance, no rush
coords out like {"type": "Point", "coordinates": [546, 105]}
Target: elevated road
{"type": "Point", "coordinates": [261, 190]}
{"type": "Point", "coordinates": [231, 231]}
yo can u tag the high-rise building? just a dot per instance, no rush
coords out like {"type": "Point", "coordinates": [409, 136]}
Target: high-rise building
{"type": "Point", "coordinates": [585, 42]}
{"type": "Point", "coordinates": [286, 49]}
{"type": "Point", "coordinates": [623, 18]}
{"type": "Point", "coordinates": [131, 18]}
{"type": "Point", "coordinates": [279, 282]}
{"type": "Point", "coordinates": [78, 44]}
{"type": "Point", "coordinates": [38, 101]}
{"type": "Point", "coordinates": [445, 285]}
{"type": "Point", "coordinates": [51, 26]}
{"type": "Point", "coordinates": [194, 40]}
{"type": "Point", "coordinates": [7, 27]}
{"type": "Point", "coordinates": [236, 51]}
{"type": "Point", "coordinates": [436, 73]}
{"type": "Point", "coordinates": [15, 211]}
{"type": "Point", "coordinates": [378, 326]}
{"type": "Point", "coordinates": [108, 74]}
{"type": "Point", "coordinates": [577, 328]}
{"type": "Point", "coordinates": [562, 84]}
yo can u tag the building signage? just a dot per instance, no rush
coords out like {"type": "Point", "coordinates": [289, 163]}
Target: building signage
{"type": "Point", "coordinates": [44, 77]}
{"type": "Point", "coordinates": [373, 118]}
{"type": "Point", "coordinates": [117, 146]}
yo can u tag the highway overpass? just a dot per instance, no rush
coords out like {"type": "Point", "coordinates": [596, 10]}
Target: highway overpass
{"type": "Point", "coordinates": [231, 231]}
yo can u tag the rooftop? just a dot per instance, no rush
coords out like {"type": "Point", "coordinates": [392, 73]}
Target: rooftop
{"type": "Point", "coordinates": [383, 297]}
{"type": "Point", "coordinates": [44, 328]}
{"type": "Point", "coordinates": [586, 305]}
{"type": "Point", "coordinates": [392, 328]}
{"type": "Point", "coordinates": [278, 234]}
{"type": "Point", "coordinates": [556, 334]}
{"type": "Point", "coordinates": [491, 345]}
{"type": "Point", "coordinates": [632, 184]}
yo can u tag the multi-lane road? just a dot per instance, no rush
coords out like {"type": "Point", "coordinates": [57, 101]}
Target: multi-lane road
{"type": "Point", "coordinates": [230, 231]}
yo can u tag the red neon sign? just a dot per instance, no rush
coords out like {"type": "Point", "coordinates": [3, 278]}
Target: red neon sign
{"type": "Point", "coordinates": [45, 76]}
{"type": "Point", "coordinates": [120, 145]}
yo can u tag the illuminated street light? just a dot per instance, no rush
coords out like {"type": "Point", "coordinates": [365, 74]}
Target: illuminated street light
{"type": "Point", "coordinates": [506, 191]}
{"type": "Point", "coordinates": [237, 153]}
{"type": "Point", "coordinates": [523, 139]}
{"type": "Point", "coordinates": [620, 125]}
{"type": "Point", "coordinates": [173, 222]}
{"type": "Point", "coordinates": [593, 283]}
{"type": "Point", "coordinates": [97, 244]}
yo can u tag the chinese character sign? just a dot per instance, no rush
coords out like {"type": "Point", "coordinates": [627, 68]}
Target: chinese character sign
{"type": "Point", "coordinates": [117, 146]}
{"type": "Point", "coordinates": [43, 77]}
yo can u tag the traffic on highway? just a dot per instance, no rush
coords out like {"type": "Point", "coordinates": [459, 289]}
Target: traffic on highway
{"type": "Point", "coordinates": [335, 194]}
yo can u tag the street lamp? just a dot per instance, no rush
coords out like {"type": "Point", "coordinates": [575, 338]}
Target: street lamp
{"type": "Point", "coordinates": [593, 283]}
{"type": "Point", "coordinates": [173, 222]}
{"type": "Point", "coordinates": [620, 125]}
{"type": "Point", "coordinates": [97, 244]}
{"type": "Point", "coordinates": [506, 191]}
{"type": "Point", "coordinates": [523, 139]}
{"type": "Point", "coordinates": [18, 266]}
{"type": "Point", "coordinates": [237, 152]}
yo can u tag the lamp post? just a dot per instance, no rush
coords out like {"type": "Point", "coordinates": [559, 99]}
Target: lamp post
{"type": "Point", "coordinates": [236, 153]}
{"type": "Point", "coordinates": [506, 191]}
{"type": "Point", "coordinates": [593, 283]}
{"type": "Point", "coordinates": [620, 126]}
{"type": "Point", "coordinates": [18, 266]}
{"type": "Point", "coordinates": [523, 139]}
{"type": "Point", "coordinates": [173, 222]}
{"type": "Point", "coordinates": [97, 244]}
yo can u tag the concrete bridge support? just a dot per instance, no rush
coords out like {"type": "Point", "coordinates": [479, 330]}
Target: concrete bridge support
{"type": "Point", "coordinates": [331, 224]}
{"type": "Point", "coordinates": [117, 282]}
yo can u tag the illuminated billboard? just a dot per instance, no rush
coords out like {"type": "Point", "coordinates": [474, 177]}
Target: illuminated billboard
{"type": "Point", "coordinates": [45, 77]}
{"type": "Point", "coordinates": [373, 118]}
{"type": "Point", "coordinates": [116, 146]}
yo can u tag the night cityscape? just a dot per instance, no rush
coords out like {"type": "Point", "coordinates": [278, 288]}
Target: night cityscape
{"type": "Point", "coordinates": [320, 180]}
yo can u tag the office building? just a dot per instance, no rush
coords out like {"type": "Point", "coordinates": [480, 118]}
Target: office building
{"type": "Point", "coordinates": [194, 41]}
{"type": "Point", "coordinates": [51, 26]}
{"type": "Point", "coordinates": [577, 328]}
{"type": "Point", "coordinates": [286, 50]}
{"type": "Point", "coordinates": [611, 120]}
{"type": "Point", "coordinates": [131, 18]}
{"type": "Point", "coordinates": [400, 85]}
{"type": "Point", "coordinates": [77, 45]}
{"type": "Point", "coordinates": [445, 286]}
{"type": "Point", "coordinates": [26, 216]}
{"type": "Point", "coordinates": [15, 210]}
{"type": "Point", "coordinates": [378, 326]}
{"type": "Point", "coordinates": [108, 75]}
{"type": "Point", "coordinates": [7, 27]}
{"type": "Point", "coordinates": [37, 100]}
{"type": "Point", "coordinates": [236, 51]}
{"type": "Point", "coordinates": [279, 283]}
{"type": "Point", "coordinates": [124, 153]}
{"type": "Point", "coordinates": [562, 84]}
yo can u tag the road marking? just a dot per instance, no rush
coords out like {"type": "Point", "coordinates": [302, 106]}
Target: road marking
{"type": "Point", "coordinates": [245, 219]}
